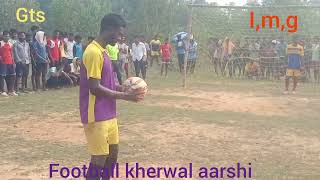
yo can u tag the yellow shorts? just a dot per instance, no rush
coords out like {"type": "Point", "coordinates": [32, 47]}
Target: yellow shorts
{"type": "Point", "coordinates": [100, 134]}
{"type": "Point", "coordinates": [155, 53]}
{"type": "Point", "coordinates": [293, 73]}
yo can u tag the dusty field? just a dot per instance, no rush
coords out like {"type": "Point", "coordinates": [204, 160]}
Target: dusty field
{"type": "Point", "coordinates": [278, 135]}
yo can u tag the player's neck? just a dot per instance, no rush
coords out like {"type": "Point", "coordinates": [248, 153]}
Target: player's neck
{"type": "Point", "coordinates": [101, 41]}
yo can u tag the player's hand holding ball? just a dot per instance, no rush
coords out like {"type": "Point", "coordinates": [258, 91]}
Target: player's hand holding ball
{"type": "Point", "coordinates": [136, 89]}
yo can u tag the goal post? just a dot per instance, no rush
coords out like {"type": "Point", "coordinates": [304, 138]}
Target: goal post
{"type": "Point", "coordinates": [256, 34]}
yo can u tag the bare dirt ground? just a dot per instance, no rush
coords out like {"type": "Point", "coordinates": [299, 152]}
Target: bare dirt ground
{"type": "Point", "coordinates": [259, 104]}
{"type": "Point", "coordinates": [171, 136]}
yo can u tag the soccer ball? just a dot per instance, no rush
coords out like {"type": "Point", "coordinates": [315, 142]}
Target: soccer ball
{"type": "Point", "coordinates": [134, 83]}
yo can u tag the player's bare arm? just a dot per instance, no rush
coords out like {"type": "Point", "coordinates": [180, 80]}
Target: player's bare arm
{"type": "Point", "coordinates": [98, 90]}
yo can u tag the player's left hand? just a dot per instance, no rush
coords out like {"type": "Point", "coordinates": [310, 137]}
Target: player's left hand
{"type": "Point", "coordinates": [122, 88]}
{"type": "Point", "coordinates": [138, 91]}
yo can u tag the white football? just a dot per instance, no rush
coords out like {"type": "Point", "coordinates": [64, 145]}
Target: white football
{"type": "Point", "coordinates": [135, 83]}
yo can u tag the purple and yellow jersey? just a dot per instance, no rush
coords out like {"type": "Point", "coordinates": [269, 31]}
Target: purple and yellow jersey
{"type": "Point", "coordinates": [96, 64]}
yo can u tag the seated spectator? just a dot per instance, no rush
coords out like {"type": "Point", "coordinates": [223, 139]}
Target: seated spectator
{"type": "Point", "coordinates": [73, 71]}
{"type": "Point", "coordinates": [57, 79]}
{"type": "Point", "coordinates": [252, 69]}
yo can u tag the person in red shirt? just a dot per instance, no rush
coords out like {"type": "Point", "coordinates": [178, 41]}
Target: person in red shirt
{"type": "Point", "coordinates": [166, 51]}
{"type": "Point", "coordinates": [54, 49]}
{"type": "Point", "coordinates": [7, 66]}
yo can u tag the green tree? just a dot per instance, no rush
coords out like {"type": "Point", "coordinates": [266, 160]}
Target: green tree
{"type": "Point", "coordinates": [77, 16]}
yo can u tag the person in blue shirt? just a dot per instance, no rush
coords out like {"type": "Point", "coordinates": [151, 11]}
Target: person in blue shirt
{"type": "Point", "coordinates": [192, 56]}
{"type": "Point", "coordinates": [41, 59]}
{"type": "Point", "coordinates": [295, 54]}
{"type": "Point", "coordinates": [181, 51]}
{"type": "Point", "coordinates": [77, 48]}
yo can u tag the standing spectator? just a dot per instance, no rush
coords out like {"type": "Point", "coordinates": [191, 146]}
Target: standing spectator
{"type": "Point", "coordinates": [7, 66]}
{"type": "Point", "coordinates": [155, 49]}
{"type": "Point", "coordinates": [181, 51]}
{"type": "Point", "coordinates": [13, 36]}
{"type": "Point", "coordinates": [147, 57]}
{"type": "Point", "coordinates": [113, 52]}
{"type": "Point", "coordinates": [166, 52]}
{"type": "Point", "coordinates": [62, 49]}
{"type": "Point", "coordinates": [31, 39]}
{"type": "Point", "coordinates": [315, 61]}
{"type": "Point", "coordinates": [213, 49]}
{"type": "Point", "coordinates": [22, 59]}
{"type": "Point", "coordinates": [123, 55]}
{"type": "Point", "coordinates": [228, 48]}
{"type": "Point", "coordinates": [77, 48]}
{"type": "Point", "coordinates": [54, 51]}
{"type": "Point", "coordinates": [69, 43]}
{"type": "Point", "coordinates": [139, 53]}
{"type": "Point", "coordinates": [295, 54]}
{"type": "Point", "coordinates": [41, 58]}
{"type": "Point", "coordinates": [192, 56]}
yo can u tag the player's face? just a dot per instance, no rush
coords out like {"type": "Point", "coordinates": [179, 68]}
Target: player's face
{"type": "Point", "coordinates": [14, 36]}
{"type": "Point", "coordinates": [115, 35]}
{"type": "Point", "coordinates": [22, 37]}
{"type": "Point", "coordinates": [6, 38]}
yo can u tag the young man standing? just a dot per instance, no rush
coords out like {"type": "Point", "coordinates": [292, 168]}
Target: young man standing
{"type": "Point", "coordinates": [295, 54]}
{"type": "Point", "coordinates": [22, 58]}
{"type": "Point", "coordinates": [123, 56]}
{"type": "Point", "coordinates": [166, 52]}
{"type": "Point", "coordinates": [139, 53]}
{"type": "Point", "coordinates": [13, 36]}
{"type": "Point", "coordinates": [77, 48]}
{"type": "Point", "coordinates": [155, 50]}
{"type": "Point", "coordinates": [54, 52]}
{"type": "Point", "coordinates": [30, 38]}
{"type": "Point", "coordinates": [192, 57]}
{"type": "Point", "coordinates": [7, 66]}
{"type": "Point", "coordinates": [41, 59]}
{"type": "Point", "coordinates": [181, 51]}
{"type": "Point", "coordinates": [113, 52]}
{"type": "Point", "coordinates": [98, 94]}
{"type": "Point", "coordinates": [69, 43]}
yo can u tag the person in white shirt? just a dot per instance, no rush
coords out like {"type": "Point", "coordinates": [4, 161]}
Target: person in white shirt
{"type": "Point", "coordinates": [123, 56]}
{"type": "Point", "coordinates": [139, 54]}
{"type": "Point", "coordinates": [69, 43]}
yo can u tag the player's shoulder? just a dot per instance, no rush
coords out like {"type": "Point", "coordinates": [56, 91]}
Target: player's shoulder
{"type": "Point", "coordinates": [92, 51]}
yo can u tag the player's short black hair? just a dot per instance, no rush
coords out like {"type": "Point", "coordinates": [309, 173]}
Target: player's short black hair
{"type": "Point", "coordinates": [90, 38]}
{"type": "Point", "coordinates": [4, 33]}
{"type": "Point", "coordinates": [112, 21]}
